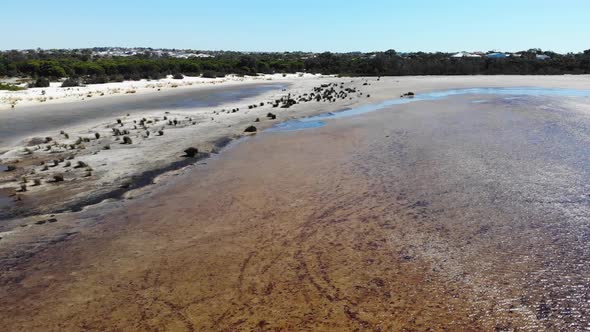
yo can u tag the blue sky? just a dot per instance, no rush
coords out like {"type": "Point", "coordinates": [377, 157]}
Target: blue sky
{"type": "Point", "coordinates": [265, 25]}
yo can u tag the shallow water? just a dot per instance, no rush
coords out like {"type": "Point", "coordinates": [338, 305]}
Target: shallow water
{"type": "Point", "coordinates": [500, 192]}
{"type": "Point", "coordinates": [439, 215]}
{"type": "Point", "coordinates": [5, 201]}
{"type": "Point", "coordinates": [317, 121]}
{"type": "Point", "coordinates": [26, 120]}
{"type": "Point", "coordinates": [217, 97]}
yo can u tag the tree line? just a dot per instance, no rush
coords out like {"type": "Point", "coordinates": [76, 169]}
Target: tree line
{"type": "Point", "coordinates": [83, 66]}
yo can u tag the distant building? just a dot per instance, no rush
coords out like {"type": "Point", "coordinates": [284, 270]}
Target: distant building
{"type": "Point", "coordinates": [542, 57]}
{"type": "Point", "coordinates": [465, 55]}
{"type": "Point", "coordinates": [496, 56]}
{"type": "Point", "coordinates": [126, 52]}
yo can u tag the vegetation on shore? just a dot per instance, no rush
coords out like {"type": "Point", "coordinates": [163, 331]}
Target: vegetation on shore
{"type": "Point", "coordinates": [84, 67]}
{"type": "Point", "coordinates": [10, 87]}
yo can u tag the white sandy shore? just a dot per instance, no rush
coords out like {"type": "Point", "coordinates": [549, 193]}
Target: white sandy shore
{"type": "Point", "coordinates": [111, 168]}
{"type": "Point", "coordinates": [56, 94]}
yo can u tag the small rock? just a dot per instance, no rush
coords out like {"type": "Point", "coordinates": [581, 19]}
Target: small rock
{"type": "Point", "coordinates": [191, 152]}
{"type": "Point", "coordinates": [250, 129]}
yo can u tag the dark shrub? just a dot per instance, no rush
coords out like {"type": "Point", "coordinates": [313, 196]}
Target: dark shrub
{"type": "Point", "coordinates": [127, 140]}
{"type": "Point", "coordinates": [178, 76]}
{"type": "Point", "coordinates": [41, 82]}
{"type": "Point", "coordinates": [100, 79]}
{"type": "Point", "coordinates": [117, 78]}
{"type": "Point", "coordinates": [209, 74]}
{"type": "Point", "coordinates": [70, 82]}
{"type": "Point", "coordinates": [212, 74]}
{"type": "Point", "coordinates": [58, 178]}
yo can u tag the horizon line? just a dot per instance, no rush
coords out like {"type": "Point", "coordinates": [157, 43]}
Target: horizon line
{"type": "Point", "coordinates": [285, 51]}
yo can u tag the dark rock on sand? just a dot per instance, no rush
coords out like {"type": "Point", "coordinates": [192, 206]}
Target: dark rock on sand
{"type": "Point", "coordinates": [191, 152]}
{"type": "Point", "coordinates": [250, 129]}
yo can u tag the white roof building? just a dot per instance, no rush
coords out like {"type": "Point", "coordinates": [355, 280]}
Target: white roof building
{"type": "Point", "coordinates": [465, 55]}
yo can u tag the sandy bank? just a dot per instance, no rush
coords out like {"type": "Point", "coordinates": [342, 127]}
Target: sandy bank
{"type": "Point", "coordinates": [159, 136]}
{"type": "Point", "coordinates": [55, 94]}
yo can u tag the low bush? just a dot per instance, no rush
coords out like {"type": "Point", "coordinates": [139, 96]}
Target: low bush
{"type": "Point", "coordinates": [41, 82]}
{"type": "Point", "coordinates": [101, 79]}
{"type": "Point", "coordinates": [70, 82]}
{"type": "Point", "coordinates": [10, 87]}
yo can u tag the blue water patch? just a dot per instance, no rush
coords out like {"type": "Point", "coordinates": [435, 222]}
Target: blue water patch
{"type": "Point", "coordinates": [297, 125]}
{"type": "Point", "coordinates": [318, 120]}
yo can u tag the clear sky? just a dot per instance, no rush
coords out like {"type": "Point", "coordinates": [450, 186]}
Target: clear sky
{"type": "Point", "coordinates": [306, 25]}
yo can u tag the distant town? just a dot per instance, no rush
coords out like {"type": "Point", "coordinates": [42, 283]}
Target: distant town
{"type": "Point", "coordinates": [106, 52]}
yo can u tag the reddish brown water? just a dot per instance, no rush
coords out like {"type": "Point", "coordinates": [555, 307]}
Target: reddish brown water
{"type": "Point", "coordinates": [438, 215]}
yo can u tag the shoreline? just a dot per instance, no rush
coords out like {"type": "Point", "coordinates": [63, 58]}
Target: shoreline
{"type": "Point", "coordinates": [214, 130]}
{"type": "Point", "coordinates": [45, 120]}
{"type": "Point", "coordinates": [118, 91]}
{"type": "Point", "coordinates": [136, 177]}
{"type": "Point", "coordinates": [149, 88]}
